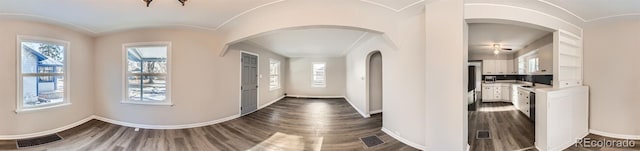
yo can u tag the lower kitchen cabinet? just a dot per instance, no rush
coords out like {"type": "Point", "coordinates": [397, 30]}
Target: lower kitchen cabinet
{"type": "Point", "coordinates": [496, 92]}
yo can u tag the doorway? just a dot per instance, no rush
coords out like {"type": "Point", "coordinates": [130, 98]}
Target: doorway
{"type": "Point", "coordinates": [248, 83]}
{"type": "Point", "coordinates": [501, 118]}
{"type": "Point", "coordinates": [374, 83]}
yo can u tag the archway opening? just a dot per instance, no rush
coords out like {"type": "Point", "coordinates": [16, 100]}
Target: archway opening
{"type": "Point", "coordinates": [374, 82]}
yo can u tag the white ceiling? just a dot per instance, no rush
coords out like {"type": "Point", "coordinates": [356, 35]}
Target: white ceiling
{"type": "Point", "coordinates": [591, 10]}
{"type": "Point", "coordinates": [482, 36]}
{"type": "Point", "coordinates": [396, 5]}
{"type": "Point", "coordinates": [98, 16]}
{"type": "Point", "coordinates": [315, 42]}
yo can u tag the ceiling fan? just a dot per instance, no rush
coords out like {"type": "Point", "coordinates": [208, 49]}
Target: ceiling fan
{"type": "Point", "coordinates": [498, 47]}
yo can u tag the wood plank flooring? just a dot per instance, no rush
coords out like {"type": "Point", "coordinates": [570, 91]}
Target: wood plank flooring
{"type": "Point", "coordinates": [510, 130]}
{"type": "Point", "coordinates": [289, 124]}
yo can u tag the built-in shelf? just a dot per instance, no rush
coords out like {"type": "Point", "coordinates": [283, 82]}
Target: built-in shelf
{"type": "Point", "coordinates": [569, 59]}
{"type": "Point", "coordinates": [569, 54]}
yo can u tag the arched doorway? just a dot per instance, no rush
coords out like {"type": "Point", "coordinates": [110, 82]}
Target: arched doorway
{"type": "Point", "coordinates": [374, 82]}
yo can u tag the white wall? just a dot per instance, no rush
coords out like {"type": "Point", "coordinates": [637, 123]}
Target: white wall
{"type": "Point", "coordinates": [299, 77]}
{"type": "Point", "coordinates": [375, 82]}
{"type": "Point", "coordinates": [205, 87]}
{"type": "Point", "coordinates": [403, 80]}
{"type": "Point", "coordinates": [446, 76]}
{"type": "Point", "coordinates": [82, 77]}
{"type": "Point", "coordinates": [611, 71]}
{"type": "Point", "coordinates": [540, 42]}
{"type": "Point", "coordinates": [266, 94]}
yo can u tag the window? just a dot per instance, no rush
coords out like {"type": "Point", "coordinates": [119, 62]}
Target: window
{"type": "Point", "coordinates": [533, 64]}
{"type": "Point", "coordinates": [319, 75]}
{"type": "Point", "coordinates": [147, 73]}
{"type": "Point", "coordinates": [42, 69]}
{"type": "Point", "coordinates": [274, 74]}
{"type": "Point", "coordinates": [521, 66]}
{"type": "Point", "coordinates": [529, 63]}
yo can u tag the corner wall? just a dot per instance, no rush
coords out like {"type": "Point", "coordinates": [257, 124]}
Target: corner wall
{"type": "Point", "coordinates": [611, 71]}
{"type": "Point", "coordinates": [81, 66]}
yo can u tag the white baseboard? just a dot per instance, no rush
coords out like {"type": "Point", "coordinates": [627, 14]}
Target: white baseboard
{"type": "Point", "coordinates": [182, 126]}
{"type": "Point", "coordinates": [47, 132]}
{"type": "Point", "coordinates": [321, 97]}
{"type": "Point", "coordinates": [468, 147]}
{"type": "Point", "coordinates": [403, 140]}
{"type": "Point", "coordinates": [274, 101]}
{"type": "Point", "coordinates": [614, 135]}
{"type": "Point", "coordinates": [354, 107]}
{"type": "Point", "coordinates": [375, 112]}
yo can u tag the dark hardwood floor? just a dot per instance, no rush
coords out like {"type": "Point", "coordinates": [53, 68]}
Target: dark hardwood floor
{"type": "Point", "coordinates": [510, 130]}
{"type": "Point", "coordinates": [289, 124]}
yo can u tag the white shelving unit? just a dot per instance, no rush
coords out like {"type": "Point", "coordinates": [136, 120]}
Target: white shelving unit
{"type": "Point", "coordinates": [567, 59]}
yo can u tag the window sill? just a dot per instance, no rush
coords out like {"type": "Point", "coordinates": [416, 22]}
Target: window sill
{"type": "Point", "coordinates": [274, 89]}
{"type": "Point", "coordinates": [23, 110]}
{"type": "Point", "coordinates": [148, 103]}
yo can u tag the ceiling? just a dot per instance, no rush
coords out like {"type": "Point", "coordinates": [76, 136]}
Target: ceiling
{"type": "Point", "coordinates": [314, 42]}
{"type": "Point", "coordinates": [98, 16]}
{"type": "Point", "coordinates": [592, 10]}
{"type": "Point", "coordinates": [482, 36]}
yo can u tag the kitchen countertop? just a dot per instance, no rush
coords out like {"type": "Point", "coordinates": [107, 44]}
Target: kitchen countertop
{"type": "Point", "coordinates": [520, 83]}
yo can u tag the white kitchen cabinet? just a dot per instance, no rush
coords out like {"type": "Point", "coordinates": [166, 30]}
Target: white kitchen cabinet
{"type": "Point", "coordinates": [506, 94]}
{"type": "Point", "coordinates": [488, 67]}
{"type": "Point", "coordinates": [487, 92]}
{"type": "Point", "coordinates": [514, 96]}
{"type": "Point", "coordinates": [498, 67]}
{"type": "Point", "coordinates": [511, 67]}
{"type": "Point", "coordinates": [502, 67]}
{"type": "Point", "coordinates": [523, 102]}
{"type": "Point", "coordinates": [496, 92]}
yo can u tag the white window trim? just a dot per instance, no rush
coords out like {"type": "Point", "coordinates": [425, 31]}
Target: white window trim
{"type": "Point", "coordinates": [125, 97]}
{"type": "Point", "coordinates": [67, 76]}
{"type": "Point", "coordinates": [279, 85]}
{"type": "Point", "coordinates": [324, 75]}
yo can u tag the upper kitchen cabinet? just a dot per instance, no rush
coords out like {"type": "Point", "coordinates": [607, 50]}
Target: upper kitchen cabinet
{"type": "Point", "coordinates": [498, 67]}
{"type": "Point", "coordinates": [489, 67]}
{"type": "Point", "coordinates": [567, 50]}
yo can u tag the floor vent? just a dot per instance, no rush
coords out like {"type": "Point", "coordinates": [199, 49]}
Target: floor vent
{"type": "Point", "coordinates": [38, 140]}
{"type": "Point", "coordinates": [371, 141]}
{"type": "Point", "coordinates": [483, 134]}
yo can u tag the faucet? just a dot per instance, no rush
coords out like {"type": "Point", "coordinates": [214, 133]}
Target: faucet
{"type": "Point", "coordinates": [533, 80]}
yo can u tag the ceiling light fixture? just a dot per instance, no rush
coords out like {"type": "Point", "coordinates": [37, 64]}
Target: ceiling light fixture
{"type": "Point", "coordinates": [149, 2]}
{"type": "Point", "coordinates": [496, 49]}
